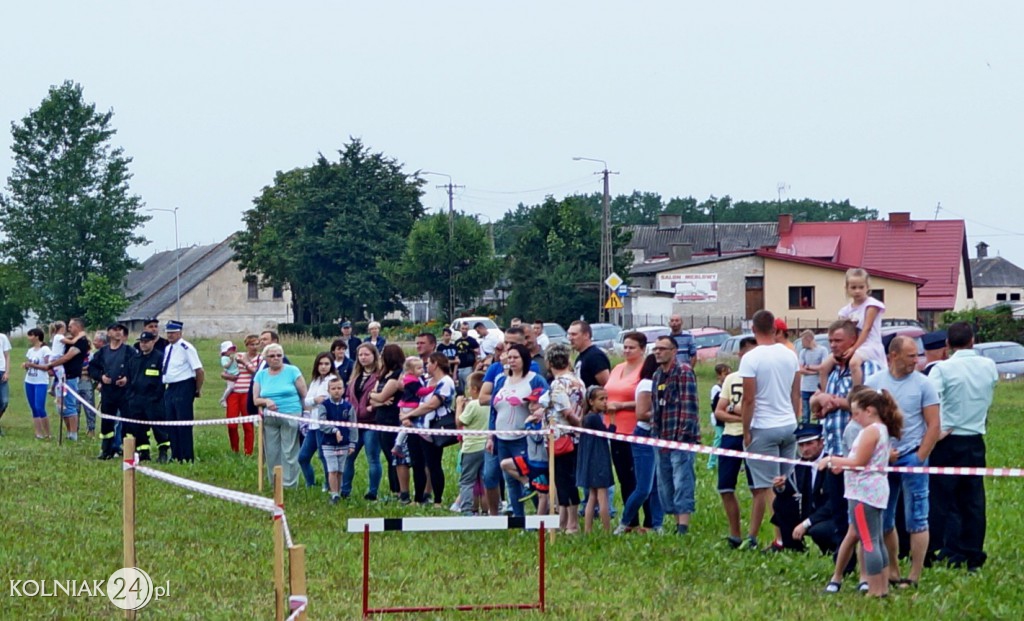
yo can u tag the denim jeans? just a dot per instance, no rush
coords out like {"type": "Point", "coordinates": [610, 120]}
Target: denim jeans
{"type": "Point", "coordinates": [805, 397]}
{"type": "Point", "coordinates": [646, 483]}
{"type": "Point", "coordinates": [5, 396]}
{"type": "Point", "coordinates": [676, 481]}
{"type": "Point", "coordinates": [914, 490]}
{"type": "Point", "coordinates": [505, 449]}
{"type": "Point", "coordinates": [370, 440]}
{"type": "Point", "coordinates": [311, 446]}
{"type": "Point", "coordinates": [70, 403]}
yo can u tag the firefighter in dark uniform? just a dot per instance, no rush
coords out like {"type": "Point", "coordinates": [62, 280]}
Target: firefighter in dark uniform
{"type": "Point", "coordinates": [152, 325]}
{"type": "Point", "coordinates": [108, 369]}
{"type": "Point", "coordinates": [146, 397]}
{"type": "Point", "coordinates": [183, 383]}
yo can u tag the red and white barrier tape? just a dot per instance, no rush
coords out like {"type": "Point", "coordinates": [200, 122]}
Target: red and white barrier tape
{"type": "Point", "coordinates": [242, 498]}
{"type": "Point", "coordinates": [297, 604]}
{"type": "Point", "coordinates": [416, 430]}
{"type": "Point", "coordinates": [710, 450]}
{"type": "Point", "coordinates": [238, 420]}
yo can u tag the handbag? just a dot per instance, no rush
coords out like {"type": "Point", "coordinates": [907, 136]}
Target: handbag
{"type": "Point", "coordinates": [564, 444]}
{"type": "Point", "coordinates": [444, 422]}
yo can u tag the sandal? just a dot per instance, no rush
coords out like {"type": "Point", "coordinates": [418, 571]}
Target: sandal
{"type": "Point", "coordinates": [863, 587]}
{"type": "Point", "coordinates": [833, 587]}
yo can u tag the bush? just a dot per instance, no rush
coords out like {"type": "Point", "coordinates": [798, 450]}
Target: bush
{"type": "Point", "coordinates": [989, 325]}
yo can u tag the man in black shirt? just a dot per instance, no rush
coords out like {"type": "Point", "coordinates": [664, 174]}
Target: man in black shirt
{"type": "Point", "coordinates": [447, 347]}
{"type": "Point", "coordinates": [146, 397]}
{"type": "Point", "coordinates": [468, 351]}
{"type": "Point", "coordinates": [352, 342]}
{"type": "Point", "coordinates": [592, 365]}
{"type": "Point", "coordinates": [73, 361]}
{"type": "Point", "coordinates": [152, 324]}
{"type": "Point", "coordinates": [108, 369]}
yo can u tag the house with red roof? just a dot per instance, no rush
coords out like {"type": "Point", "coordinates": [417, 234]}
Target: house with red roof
{"type": "Point", "coordinates": [930, 252]}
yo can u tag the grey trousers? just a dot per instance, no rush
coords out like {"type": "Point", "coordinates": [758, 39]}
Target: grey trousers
{"type": "Point", "coordinates": [281, 448]}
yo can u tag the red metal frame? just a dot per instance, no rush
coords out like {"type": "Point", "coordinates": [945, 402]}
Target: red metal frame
{"type": "Point", "coordinates": [540, 604]}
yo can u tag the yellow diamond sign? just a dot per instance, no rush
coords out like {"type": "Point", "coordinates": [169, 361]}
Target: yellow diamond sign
{"type": "Point", "coordinates": [612, 282]}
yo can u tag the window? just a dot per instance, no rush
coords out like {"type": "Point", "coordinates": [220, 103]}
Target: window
{"type": "Point", "coordinates": [755, 282]}
{"type": "Point", "coordinates": [278, 292]}
{"type": "Point", "coordinates": [254, 290]}
{"type": "Point", "coordinates": [801, 297]}
{"type": "Point", "coordinates": [1015, 297]}
{"type": "Point", "coordinates": [1000, 297]}
{"type": "Point", "coordinates": [878, 294]}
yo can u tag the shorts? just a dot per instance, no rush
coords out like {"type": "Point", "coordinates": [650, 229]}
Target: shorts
{"type": "Point", "coordinates": [729, 467]}
{"type": "Point", "coordinates": [335, 457]}
{"type": "Point", "coordinates": [527, 469]}
{"type": "Point", "coordinates": [776, 441]}
{"type": "Point", "coordinates": [913, 488]}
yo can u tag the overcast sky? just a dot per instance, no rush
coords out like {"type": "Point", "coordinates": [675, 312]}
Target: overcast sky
{"type": "Point", "coordinates": [897, 106]}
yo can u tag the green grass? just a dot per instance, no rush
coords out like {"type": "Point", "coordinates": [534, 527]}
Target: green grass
{"type": "Point", "coordinates": [61, 513]}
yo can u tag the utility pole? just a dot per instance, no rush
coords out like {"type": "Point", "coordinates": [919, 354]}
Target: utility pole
{"type": "Point", "coordinates": [606, 238]}
{"type": "Point", "coordinates": [450, 187]}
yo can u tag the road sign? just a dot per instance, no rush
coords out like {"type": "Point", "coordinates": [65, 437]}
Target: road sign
{"type": "Point", "coordinates": [622, 291]}
{"type": "Point", "coordinates": [613, 281]}
{"type": "Point", "coordinates": [613, 302]}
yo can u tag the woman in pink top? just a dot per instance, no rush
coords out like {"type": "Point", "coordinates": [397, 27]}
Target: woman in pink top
{"type": "Point", "coordinates": [621, 417]}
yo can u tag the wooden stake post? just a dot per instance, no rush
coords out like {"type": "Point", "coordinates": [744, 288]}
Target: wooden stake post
{"type": "Point", "coordinates": [259, 456]}
{"type": "Point", "coordinates": [552, 488]}
{"type": "Point", "coordinates": [297, 574]}
{"type": "Point", "coordinates": [128, 530]}
{"type": "Point", "coordinates": [279, 599]}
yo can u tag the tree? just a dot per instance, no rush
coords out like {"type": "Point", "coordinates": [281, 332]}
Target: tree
{"type": "Point", "coordinates": [423, 267]}
{"type": "Point", "coordinates": [13, 287]}
{"type": "Point", "coordinates": [327, 230]}
{"type": "Point", "coordinates": [102, 300]}
{"type": "Point", "coordinates": [555, 262]}
{"type": "Point", "coordinates": [68, 212]}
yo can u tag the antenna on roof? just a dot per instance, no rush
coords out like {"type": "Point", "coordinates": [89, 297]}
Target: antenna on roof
{"type": "Point", "coordinates": [938, 206]}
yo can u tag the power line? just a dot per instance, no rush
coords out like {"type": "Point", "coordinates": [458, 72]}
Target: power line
{"type": "Point", "coordinates": [550, 187]}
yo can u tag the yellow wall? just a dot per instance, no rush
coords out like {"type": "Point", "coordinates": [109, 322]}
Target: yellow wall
{"type": "Point", "coordinates": [829, 293]}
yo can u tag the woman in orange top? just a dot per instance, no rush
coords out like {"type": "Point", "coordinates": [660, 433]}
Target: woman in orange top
{"type": "Point", "coordinates": [621, 417]}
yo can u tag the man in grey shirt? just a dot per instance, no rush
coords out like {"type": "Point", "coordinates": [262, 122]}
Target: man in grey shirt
{"type": "Point", "coordinates": [919, 401]}
{"type": "Point", "coordinates": [811, 357]}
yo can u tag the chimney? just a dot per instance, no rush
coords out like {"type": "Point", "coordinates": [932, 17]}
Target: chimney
{"type": "Point", "coordinates": [667, 221]}
{"type": "Point", "coordinates": [680, 252]}
{"type": "Point", "coordinates": [899, 217]}
{"type": "Point", "coordinates": [785, 223]}
{"type": "Point", "coordinates": [982, 250]}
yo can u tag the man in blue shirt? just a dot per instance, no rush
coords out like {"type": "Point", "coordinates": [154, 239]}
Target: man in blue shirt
{"type": "Point", "coordinates": [686, 347]}
{"type": "Point", "coordinates": [965, 383]}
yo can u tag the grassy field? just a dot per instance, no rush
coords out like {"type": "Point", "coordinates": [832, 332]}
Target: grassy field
{"type": "Point", "coordinates": [61, 511]}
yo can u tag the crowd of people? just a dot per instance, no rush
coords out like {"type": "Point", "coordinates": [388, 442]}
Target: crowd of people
{"type": "Point", "coordinates": [861, 403]}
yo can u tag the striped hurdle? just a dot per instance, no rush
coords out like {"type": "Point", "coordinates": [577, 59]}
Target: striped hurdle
{"type": "Point", "coordinates": [439, 524]}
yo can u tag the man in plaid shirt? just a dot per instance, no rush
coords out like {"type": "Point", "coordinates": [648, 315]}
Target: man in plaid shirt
{"type": "Point", "coordinates": [832, 407]}
{"type": "Point", "coordinates": [675, 416]}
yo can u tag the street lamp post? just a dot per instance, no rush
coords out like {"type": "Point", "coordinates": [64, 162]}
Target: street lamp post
{"type": "Point", "coordinates": [606, 236]}
{"type": "Point", "coordinates": [177, 261]}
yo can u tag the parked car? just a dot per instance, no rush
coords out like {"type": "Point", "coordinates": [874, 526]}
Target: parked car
{"type": "Point", "coordinates": [651, 332]}
{"type": "Point", "coordinates": [729, 350]}
{"type": "Point", "coordinates": [604, 335]}
{"type": "Point", "coordinates": [555, 334]}
{"type": "Point", "coordinates": [708, 341]}
{"type": "Point", "coordinates": [1008, 356]}
{"type": "Point", "coordinates": [913, 332]}
{"type": "Point", "coordinates": [897, 322]}
{"type": "Point", "coordinates": [472, 321]}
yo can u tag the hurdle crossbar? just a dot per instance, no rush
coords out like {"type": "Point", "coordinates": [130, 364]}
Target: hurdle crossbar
{"type": "Point", "coordinates": [379, 525]}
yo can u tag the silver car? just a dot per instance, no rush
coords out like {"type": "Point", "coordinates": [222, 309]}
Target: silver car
{"type": "Point", "coordinates": [1008, 356]}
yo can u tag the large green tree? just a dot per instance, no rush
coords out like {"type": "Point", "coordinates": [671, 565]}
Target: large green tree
{"type": "Point", "coordinates": [12, 288]}
{"type": "Point", "coordinates": [327, 230]}
{"type": "Point", "coordinates": [555, 262]}
{"type": "Point", "coordinates": [424, 266]}
{"type": "Point", "coordinates": [68, 211]}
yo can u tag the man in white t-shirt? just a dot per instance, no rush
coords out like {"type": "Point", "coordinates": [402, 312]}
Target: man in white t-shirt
{"type": "Point", "coordinates": [771, 399]}
{"type": "Point", "coordinates": [5, 366]}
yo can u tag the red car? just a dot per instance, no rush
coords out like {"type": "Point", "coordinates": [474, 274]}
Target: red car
{"type": "Point", "coordinates": [708, 341]}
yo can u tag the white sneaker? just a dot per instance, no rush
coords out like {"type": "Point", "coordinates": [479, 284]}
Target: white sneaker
{"type": "Point", "coordinates": [620, 529]}
{"type": "Point", "coordinates": [455, 508]}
